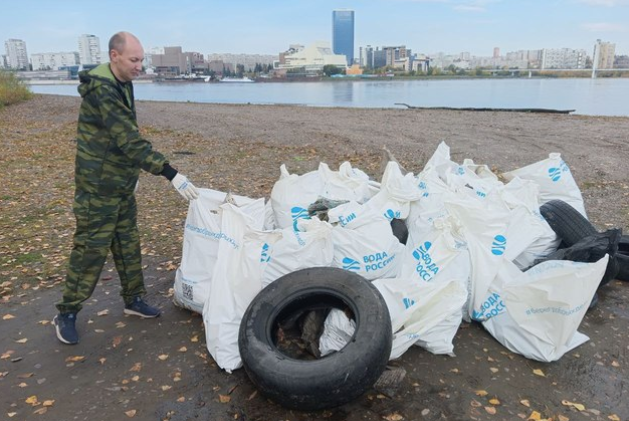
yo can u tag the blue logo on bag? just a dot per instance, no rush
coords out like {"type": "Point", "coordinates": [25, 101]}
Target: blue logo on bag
{"type": "Point", "coordinates": [390, 214]}
{"type": "Point", "coordinates": [408, 302]}
{"type": "Point", "coordinates": [554, 174]}
{"type": "Point", "coordinates": [499, 245]}
{"type": "Point", "coordinates": [264, 255]}
{"type": "Point", "coordinates": [350, 264]}
{"type": "Point", "coordinates": [298, 213]}
{"type": "Point", "coordinates": [426, 269]}
{"type": "Point", "coordinates": [460, 170]}
{"type": "Point", "coordinates": [491, 307]}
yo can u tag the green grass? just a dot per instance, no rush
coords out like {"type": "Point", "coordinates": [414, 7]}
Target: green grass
{"type": "Point", "coordinates": [12, 90]}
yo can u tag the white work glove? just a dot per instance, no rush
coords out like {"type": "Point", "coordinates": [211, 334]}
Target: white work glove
{"type": "Point", "coordinates": [185, 187]}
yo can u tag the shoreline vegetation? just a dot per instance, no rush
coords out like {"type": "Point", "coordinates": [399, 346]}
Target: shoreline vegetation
{"type": "Point", "coordinates": [12, 89]}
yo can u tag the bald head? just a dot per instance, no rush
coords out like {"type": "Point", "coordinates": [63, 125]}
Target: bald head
{"type": "Point", "coordinates": [119, 41]}
{"type": "Point", "coordinates": [125, 56]}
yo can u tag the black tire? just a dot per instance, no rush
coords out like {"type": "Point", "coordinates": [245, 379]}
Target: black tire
{"type": "Point", "coordinates": [566, 221]}
{"type": "Point", "coordinates": [571, 226]}
{"type": "Point", "coordinates": [330, 381]}
{"type": "Point", "coordinates": [623, 259]}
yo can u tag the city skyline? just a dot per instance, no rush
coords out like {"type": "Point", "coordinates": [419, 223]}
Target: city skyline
{"type": "Point", "coordinates": [426, 26]}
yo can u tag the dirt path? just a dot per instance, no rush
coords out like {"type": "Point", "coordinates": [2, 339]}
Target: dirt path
{"type": "Point", "coordinates": [126, 368]}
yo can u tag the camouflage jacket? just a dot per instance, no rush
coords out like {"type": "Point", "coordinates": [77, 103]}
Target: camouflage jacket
{"type": "Point", "coordinates": [110, 151]}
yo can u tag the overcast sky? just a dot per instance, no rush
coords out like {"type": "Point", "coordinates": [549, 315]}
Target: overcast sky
{"type": "Point", "coordinates": [269, 26]}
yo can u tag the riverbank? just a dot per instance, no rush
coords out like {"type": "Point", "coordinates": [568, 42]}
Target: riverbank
{"type": "Point", "coordinates": [240, 148]}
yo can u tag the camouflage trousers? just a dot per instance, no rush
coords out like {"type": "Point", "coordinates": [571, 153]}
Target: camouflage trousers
{"type": "Point", "coordinates": [103, 224]}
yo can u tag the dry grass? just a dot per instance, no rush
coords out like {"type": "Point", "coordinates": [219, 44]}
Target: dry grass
{"type": "Point", "coordinates": [12, 90]}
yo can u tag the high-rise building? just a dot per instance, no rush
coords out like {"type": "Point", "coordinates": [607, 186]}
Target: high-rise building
{"type": "Point", "coordinates": [343, 34]}
{"type": "Point", "coordinates": [53, 61]}
{"type": "Point", "coordinates": [17, 58]}
{"type": "Point", "coordinates": [604, 53]}
{"type": "Point", "coordinates": [89, 49]}
{"type": "Point", "coordinates": [563, 58]}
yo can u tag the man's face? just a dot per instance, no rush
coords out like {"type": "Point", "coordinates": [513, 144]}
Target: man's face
{"type": "Point", "coordinates": [127, 64]}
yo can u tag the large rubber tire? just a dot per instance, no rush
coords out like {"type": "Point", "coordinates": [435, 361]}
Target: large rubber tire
{"type": "Point", "coordinates": [623, 259]}
{"type": "Point", "coordinates": [330, 381]}
{"type": "Point", "coordinates": [566, 221]}
{"type": "Point", "coordinates": [571, 226]}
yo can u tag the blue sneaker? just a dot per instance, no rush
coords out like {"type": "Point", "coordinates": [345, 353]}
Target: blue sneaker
{"type": "Point", "coordinates": [64, 326]}
{"type": "Point", "coordinates": [139, 308]}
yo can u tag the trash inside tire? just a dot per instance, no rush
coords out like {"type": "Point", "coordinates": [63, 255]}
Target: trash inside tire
{"type": "Point", "coordinates": [327, 382]}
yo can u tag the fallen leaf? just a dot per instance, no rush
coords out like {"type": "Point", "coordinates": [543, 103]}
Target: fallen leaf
{"type": "Point", "coordinates": [577, 406]}
{"type": "Point", "coordinates": [120, 325]}
{"type": "Point", "coordinates": [454, 370]}
{"type": "Point", "coordinates": [490, 410]}
{"type": "Point", "coordinates": [181, 399]}
{"type": "Point", "coordinates": [50, 402]}
{"type": "Point", "coordinates": [615, 364]}
{"type": "Point", "coordinates": [563, 418]}
{"type": "Point", "coordinates": [224, 398]}
{"type": "Point", "coordinates": [131, 413]}
{"type": "Point", "coordinates": [494, 401]}
{"type": "Point", "coordinates": [166, 387]}
{"type": "Point", "coordinates": [136, 367]}
{"type": "Point", "coordinates": [535, 416]}
{"type": "Point", "coordinates": [44, 322]}
{"type": "Point", "coordinates": [394, 417]}
{"type": "Point", "coordinates": [526, 403]}
{"type": "Point", "coordinates": [475, 403]}
{"type": "Point", "coordinates": [194, 339]}
{"type": "Point", "coordinates": [8, 317]}
{"type": "Point", "coordinates": [539, 372]}
{"type": "Point", "coordinates": [102, 360]}
{"type": "Point", "coordinates": [40, 411]}
{"type": "Point", "coordinates": [494, 369]}
{"type": "Point", "coordinates": [481, 393]}
{"type": "Point", "coordinates": [183, 349]}
{"type": "Point", "coordinates": [11, 414]}
{"type": "Point", "coordinates": [614, 417]}
{"type": "Point", "coordinates": [135, 378]}
{"type": "Point", "coordinates": [102, 313]}
{"type": "Point", "coordinates": [7, 355]}
{"type": "Point", "coordinates": [22, 385]}
{"type": "Point", "coordinates": [22, 341]}
{"type": "Point", "coordinates": [75, 359]}
{"type": "Point", "coordinates": [253, 395]}
{"type": "Point", "coordinates": [32, 400]}
{"type": "Point", "coordinates": [163, 357]}
{"type": "Point", "coordinates": [25, 375]}
{"type": "Point", "coordinates": [117, 341]}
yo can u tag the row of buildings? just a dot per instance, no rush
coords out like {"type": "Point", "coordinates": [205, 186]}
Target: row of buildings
{"type": "Point", "coordinates": [175, 62]}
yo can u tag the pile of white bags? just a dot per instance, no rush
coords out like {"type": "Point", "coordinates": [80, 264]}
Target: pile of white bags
{"type": "Point", "coordinates": [472, 239]}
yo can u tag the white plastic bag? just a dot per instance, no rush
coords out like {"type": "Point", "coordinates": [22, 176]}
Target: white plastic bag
{"type": "Point", "coordinates": [237, 279]}
{"type": "Point", "coordinates": [292, 194]}
{"type": "Point", "coordinates": [554, 179]}
{"type": "Point", "coordinates": [397, 192]}
{"type": "Point", "coordinates": [338, 330]}
{"type": "Point", "coordinates": [309, 246]}
{"type": "Point", "coordinates": [536, 313]}
{"type": "Point", "coordinates": [365, 244]}
{"type": "Point", "coordinates": [201, 237]}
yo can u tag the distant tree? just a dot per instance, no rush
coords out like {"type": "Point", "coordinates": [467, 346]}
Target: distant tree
{"type": "Point", "coordinates": [330, 69]}
{"type": "Point", "coordinates": [240, 70]}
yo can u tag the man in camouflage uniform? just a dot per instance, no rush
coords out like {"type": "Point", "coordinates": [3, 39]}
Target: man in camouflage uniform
{"type": "Point", "coordinates": [110, 153]}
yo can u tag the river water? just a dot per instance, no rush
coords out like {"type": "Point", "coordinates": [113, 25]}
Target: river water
{"type": "Point", "coordinates": [604, 97]}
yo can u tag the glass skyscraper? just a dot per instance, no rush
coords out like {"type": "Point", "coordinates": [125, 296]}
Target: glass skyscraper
{"type": "Point", "coordinates": [343, 34]}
